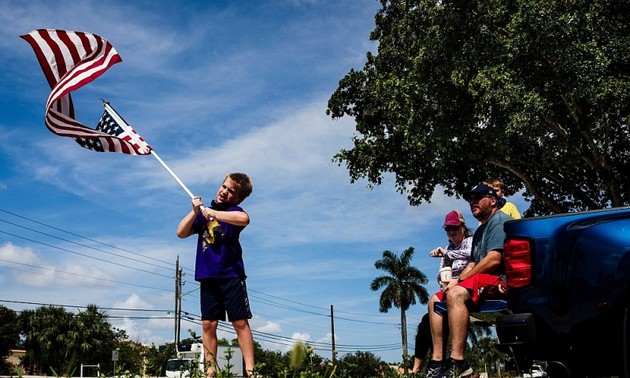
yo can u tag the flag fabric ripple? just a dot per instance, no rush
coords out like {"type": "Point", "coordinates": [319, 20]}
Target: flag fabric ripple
{"type": "Point", "coordinates": [70, 60]}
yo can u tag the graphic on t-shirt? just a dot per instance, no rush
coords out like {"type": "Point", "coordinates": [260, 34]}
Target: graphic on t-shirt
{"type": "Point", "coordinates": [212, 234]}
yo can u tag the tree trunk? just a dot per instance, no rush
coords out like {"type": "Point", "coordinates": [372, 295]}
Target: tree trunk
{"type": "Point", "coordinates": [403, 332]}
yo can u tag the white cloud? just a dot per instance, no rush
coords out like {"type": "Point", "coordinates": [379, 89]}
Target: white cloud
{"type": "Point", "coordinates": [43, 273]}
{"type": "Point", "coordinates": [10, 253]}
{"type": "Point", "coordinates": [134, 330]}
{"type": "Point", "coordinates": [267, 326]}
{"type": "Point", "coordinates": [298, 337]}
{"type": "Point", "coordinates": [133, 301]}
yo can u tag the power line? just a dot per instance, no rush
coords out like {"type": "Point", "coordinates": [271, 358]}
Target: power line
{"type": "Point", "coordinates": [323, 310]}
{"type": "Point", "coordinates": [82, 306]}
{"type": "Point", "coordinates": [82, 254]}
{"type": "Point", "coordinates": [74, 274]}
{"type": "Point", "coordinates": [288, 307]}
{"type": "Point", "coordinates": [287, 341]}
{"type": "Point", "coordinates": [169, 265]}
{"type": "Point", "coordinates": [81, 245]}
{"type": "Point", "coordinates": [37, 231]}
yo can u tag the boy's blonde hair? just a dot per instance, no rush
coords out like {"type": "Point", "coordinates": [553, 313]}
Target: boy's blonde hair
{"type": "Point", "coordinates": [244, 185]}
{"type": "Point", "coordinates": [495, 182]}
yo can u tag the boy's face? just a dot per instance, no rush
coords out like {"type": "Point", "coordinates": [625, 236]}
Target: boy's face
{"type": "Point", "coordinates": [227, 192]}
{"type": "Point", "coordinates": [498, 190]}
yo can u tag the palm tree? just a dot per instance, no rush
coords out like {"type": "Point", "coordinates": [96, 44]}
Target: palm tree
{"type": "Point", "coordinates": [402, 286]}
{"type": "Point", "coordinates": [91, 337]}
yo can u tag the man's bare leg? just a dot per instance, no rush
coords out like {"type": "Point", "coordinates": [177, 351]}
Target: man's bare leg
{"type": "Point", "coordinates": [458, 320]}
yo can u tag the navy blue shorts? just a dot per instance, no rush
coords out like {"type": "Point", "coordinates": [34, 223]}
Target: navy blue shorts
{"type": "Point", "coordinates": [224, 295]}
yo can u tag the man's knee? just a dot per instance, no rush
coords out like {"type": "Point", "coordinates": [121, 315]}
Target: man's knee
{"type": "Point", "coordinates": [457, 295]}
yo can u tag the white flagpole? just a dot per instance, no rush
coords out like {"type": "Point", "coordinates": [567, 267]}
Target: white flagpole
{"type": "Point", "coordinates": [136, 138]}
{"type": "Point", "coordinates": [155, 155]}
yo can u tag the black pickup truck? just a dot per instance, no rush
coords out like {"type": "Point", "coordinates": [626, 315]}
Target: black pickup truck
{"type": "Point", "coordinates": [569, 278]}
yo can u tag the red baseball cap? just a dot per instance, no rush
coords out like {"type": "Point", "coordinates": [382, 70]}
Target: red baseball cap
{"type": "Point", "coordinates": [453, 218]}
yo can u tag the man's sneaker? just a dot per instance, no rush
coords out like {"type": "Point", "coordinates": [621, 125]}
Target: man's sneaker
{"type": "Point", "coordinates": [457, 369]}
{"type": "Point", "coordinates": [434, 369]}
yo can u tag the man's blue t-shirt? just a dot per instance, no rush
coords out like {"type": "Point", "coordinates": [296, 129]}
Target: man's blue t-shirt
{"type": "Point", "coordinates": [224, 257]}
{"type": "Point", "coordinates": [489, 237]}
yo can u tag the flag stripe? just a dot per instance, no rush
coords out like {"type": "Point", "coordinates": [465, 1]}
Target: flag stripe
{"type": "Point", "coordinates": [44, 48]}
{"type": "Point", "coordinates": [65, 126]}
{"type": "Point", "coordinates": [71, 60]}
{"type": "Point", "coordinates": [96, 58]}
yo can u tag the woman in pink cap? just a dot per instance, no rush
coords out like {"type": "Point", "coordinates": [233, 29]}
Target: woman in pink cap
{"type": "Point", "coordinates": [456, 255]}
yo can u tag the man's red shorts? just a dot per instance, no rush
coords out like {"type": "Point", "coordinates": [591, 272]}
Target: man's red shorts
{"type": "Point", "coordinates": [482, 286]}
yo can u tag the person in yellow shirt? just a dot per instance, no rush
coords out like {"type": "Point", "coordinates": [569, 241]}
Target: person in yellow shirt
{"type": "Point", "coordinates": [506, 206]}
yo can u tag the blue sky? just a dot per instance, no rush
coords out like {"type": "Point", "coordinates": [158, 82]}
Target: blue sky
{"type": "Point", "coordinates": [213, 87]}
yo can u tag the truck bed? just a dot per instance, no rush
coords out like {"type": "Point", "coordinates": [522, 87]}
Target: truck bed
{"type": "Point", "coordinates": [569, 278]}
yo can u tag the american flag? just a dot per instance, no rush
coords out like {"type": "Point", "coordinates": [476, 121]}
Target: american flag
{"type": "Point", "coordinates": [71, 59]}
{"type": "Point", "coordinates": [113, 125]}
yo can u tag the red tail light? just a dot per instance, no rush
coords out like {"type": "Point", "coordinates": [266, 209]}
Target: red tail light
{"type": "Point", "coordinates": [517, 255]}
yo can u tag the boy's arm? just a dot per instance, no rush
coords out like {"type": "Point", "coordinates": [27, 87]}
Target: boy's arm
{"type": "Point", "coordinates": [185, 226]}
{"type": "Point", "coordinates": [237, 218]}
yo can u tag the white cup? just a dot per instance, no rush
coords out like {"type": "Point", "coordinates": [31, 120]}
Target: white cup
{"type": "Point", "coordinates": [446, 274]}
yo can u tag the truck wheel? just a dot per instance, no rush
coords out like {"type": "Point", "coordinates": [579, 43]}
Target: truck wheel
{"type": "Point", "coordinates": [558, 369]}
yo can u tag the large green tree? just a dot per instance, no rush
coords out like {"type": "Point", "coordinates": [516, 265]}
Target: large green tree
{"type": "Point", "coordinates": [131, 358]}
{"type": "Point", "coordinates": [402, 284]}
{"type": "Point", "coordinates": [9, 337]}
{"type": "Point", "coordinates": [57, 342]}
{"type": "Point", "coordinates": [536, 92]}
{"type": "Point", "coordinates": [44, 331]}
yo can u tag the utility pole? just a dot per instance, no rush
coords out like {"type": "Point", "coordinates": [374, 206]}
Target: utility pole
{"type": "Point", "coordinates": [332, 330]}
{"type": "Point", "coordinates": [178, 303]}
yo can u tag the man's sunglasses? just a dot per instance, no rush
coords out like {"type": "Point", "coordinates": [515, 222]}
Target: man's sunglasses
{"type": "Point", "coordinates": [477, 197]}
{"type": "Point", "coordinates": [451, 228]}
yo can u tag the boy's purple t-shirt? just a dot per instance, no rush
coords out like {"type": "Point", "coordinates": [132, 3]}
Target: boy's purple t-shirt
{"type": "Point", "coordinates": [223, 259]}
